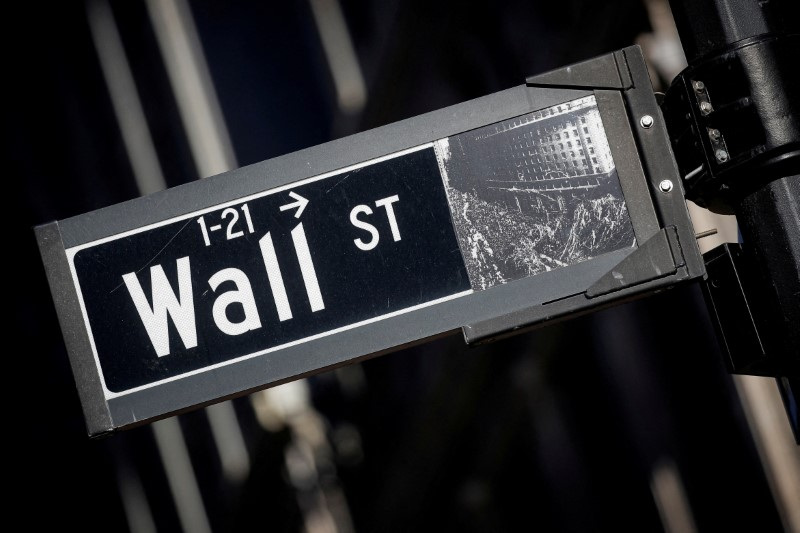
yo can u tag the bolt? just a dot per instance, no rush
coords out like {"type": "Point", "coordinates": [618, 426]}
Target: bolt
{"type": "Point", "coordinates": [665, 186]}
{"type": "Point", "coordinates": [646, 121]}
{"type": "Point", "coordinates": [705, 108]}
{"type": "Point", "coordinates": [722, 155]}
{"type": "Point", "coordinates": [699, 86]}
{"type": "Point", "coordinates": [714, 134]}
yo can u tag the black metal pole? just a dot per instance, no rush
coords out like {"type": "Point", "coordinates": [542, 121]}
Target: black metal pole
{"type": "Point", "coordinates": [708, 26]}
{"type": "Point", "coordinates": [742, 92]}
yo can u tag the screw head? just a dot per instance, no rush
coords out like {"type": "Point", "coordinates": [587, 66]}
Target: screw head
{"type": "Point", "coordinates": [699, 86]}
{"type": "Point", "coordinates": [705, 108]}
{"type": "Point", "coordinates": [646, 121]}
{"type": "Point", "coordinates": [713, 134]}
{"type": "Point", "coordinates": [665, 186]}
{"type": "Point", "coordinates": [721, 155]}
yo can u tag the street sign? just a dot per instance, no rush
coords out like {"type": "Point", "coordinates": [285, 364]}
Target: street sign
{"type": "Point", "coordinates": [249, 277]}
{"type": "Point", "coordinates": [490, 216]}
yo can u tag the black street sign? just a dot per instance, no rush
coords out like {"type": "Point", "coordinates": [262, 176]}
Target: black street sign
{"type": "Point", "coordinates": [249, 277]}
{"type": "Point", "coordinates": [490, 216]}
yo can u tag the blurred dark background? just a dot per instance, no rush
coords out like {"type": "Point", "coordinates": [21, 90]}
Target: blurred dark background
{"type": "Point", "coordinates": [621, 420]}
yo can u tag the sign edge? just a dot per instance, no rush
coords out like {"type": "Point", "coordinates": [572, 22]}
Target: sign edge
{"type": "Point", "coordinates": [63, 292]}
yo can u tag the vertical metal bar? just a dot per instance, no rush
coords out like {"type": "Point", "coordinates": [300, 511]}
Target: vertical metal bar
{"type": "Point", "coordinates": [134, 500]}
{"type": "Point", "coordinates": [124, 98]}
{"type": "Point", "coordinates": [228, 439]}
{"type": "Point", "coordinates": [191, 81]}
{"type": "Point", "coordinates": [180, 476]}
{"type": "Point", "coordinates": [348, 80]}
{"type": "Point", "coordinates": [780, 455]}
{"type": "Point", "coordinates": [670, 497]}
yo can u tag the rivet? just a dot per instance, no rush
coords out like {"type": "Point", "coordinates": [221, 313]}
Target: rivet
{"type": "Point", "coordinates": [665, 186]}
{"type": "Point", "coordinates": [699, 86]}
{"type": "Point", "coordinates": [646, 121]}
{"type": "Point", "coordinates": [713, 134]}
{"type": "Point", "coordinates": [722, 155]}
{"type": "Point", "coordinates": [705, 108]}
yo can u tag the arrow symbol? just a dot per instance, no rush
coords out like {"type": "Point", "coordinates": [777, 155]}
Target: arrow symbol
{"type": "Point", "coordinates": [300, 204]}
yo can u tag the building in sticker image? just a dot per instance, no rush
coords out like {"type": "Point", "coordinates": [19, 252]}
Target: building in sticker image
{"type": "Point", "coordinates": [529, 161]}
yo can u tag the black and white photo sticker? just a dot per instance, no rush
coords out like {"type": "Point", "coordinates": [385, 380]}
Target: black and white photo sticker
{"type": "Point", "coordinates": [534, 193]}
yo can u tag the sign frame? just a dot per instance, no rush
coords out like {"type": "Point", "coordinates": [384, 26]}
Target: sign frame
{"type": "Point", "coordinates": [666, 253]}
